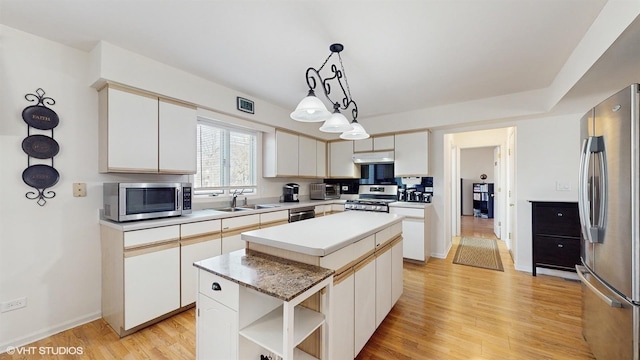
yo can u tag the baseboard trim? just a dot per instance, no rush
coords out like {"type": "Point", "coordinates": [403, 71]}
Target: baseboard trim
{"type": "Point", "coordinates": [52, 330]}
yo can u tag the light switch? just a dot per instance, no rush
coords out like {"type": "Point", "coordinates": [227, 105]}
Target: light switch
{"type": "Point", "coordinates": [79, 189]}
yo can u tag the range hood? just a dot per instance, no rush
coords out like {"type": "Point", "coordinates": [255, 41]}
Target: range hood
{"type": "Point", "coordinates": [377, 157]}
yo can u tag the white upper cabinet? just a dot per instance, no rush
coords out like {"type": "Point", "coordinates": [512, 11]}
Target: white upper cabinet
{"type": "Point", "coordinates": [307, 156]}
{"type": "Point", "coordinates": [139, 133]}
{"type": "Point", "coordinates": [383, 143]}
{"type": "Point", "coordinates": [287, 154]}
{"type": "Point", "coordinates": [363, 145]}
{"type": "Point", "coordinates": [341, 160]}
{"type": "Point", "coordinates": [321, 159]}
{"type": "Point", "coordinates": [177, 138]}
{"type": "Point", "coordinates": [412, 154]}
{"type": "Point", "coordinates": [375, 143]}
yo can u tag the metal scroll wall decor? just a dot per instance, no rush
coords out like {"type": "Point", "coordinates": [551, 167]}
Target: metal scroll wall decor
{"type": "Point", "coordinates": [40, 176]}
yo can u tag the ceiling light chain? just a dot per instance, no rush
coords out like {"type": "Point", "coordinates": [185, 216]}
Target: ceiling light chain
{"type": "Point", "coordinates": [311, 109]}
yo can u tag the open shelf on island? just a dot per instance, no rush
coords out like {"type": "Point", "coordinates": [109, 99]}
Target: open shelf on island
{"type": "Point", "coordinates": [268, 330]}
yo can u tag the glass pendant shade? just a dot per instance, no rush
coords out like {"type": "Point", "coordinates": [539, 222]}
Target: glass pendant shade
{"type": "Point", "coordinates": [310, 109]}
{"type": "Point", "coordinates": [337, 123]}
{"type": "Point", "coordinates": [357, 133]}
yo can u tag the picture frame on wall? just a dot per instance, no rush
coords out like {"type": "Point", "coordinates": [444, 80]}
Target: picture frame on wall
{"type": "Point", "coordinates": [245, 105]}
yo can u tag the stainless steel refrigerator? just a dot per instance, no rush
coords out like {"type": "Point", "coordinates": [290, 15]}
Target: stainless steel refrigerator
{"type": "Point", "coordinates": [609, 207]}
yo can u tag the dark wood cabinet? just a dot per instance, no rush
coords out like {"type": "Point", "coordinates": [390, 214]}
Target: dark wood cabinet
{"type": "Point", "coordinates": [555, 235]}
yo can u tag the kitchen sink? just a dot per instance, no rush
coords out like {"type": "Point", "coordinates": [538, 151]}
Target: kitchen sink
{"type": "Point", "coordinates": [261, 206]}
{"type": "Point", "coordinates": [230, 209]}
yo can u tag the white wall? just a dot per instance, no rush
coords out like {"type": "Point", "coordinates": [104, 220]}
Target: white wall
{"type": "Point", "coordinates": [547, 150]}
{"type": "Point", "coordinates": [476, 161]}
{"type": "Point", "coordinates": [49, 254]}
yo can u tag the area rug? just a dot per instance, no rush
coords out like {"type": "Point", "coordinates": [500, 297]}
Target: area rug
{"type": "Point", "coordinates": [478, 252]}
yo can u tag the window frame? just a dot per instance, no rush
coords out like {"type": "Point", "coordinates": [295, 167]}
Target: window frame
{"type": "Point", "coordinates": [226, 188]}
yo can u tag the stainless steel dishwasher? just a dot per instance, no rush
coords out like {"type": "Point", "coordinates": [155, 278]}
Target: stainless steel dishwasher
{"type": "Point", "coordinates": [302, 213]}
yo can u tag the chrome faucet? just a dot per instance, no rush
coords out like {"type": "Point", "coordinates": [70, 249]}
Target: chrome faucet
{"type": "Point", "coordinates": [234, 197]}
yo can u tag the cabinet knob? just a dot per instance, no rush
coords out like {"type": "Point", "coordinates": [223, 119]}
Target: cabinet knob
{"type": "Point", "coordinates": [559, 214]}
{"type": "Point", "coordinates": [216, 287]}
{"type": "Point", "coordinates": [560, 245]}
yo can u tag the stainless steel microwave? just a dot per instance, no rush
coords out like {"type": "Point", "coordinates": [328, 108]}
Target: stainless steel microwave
{"type": "Point", "coordinates": [139, 201]}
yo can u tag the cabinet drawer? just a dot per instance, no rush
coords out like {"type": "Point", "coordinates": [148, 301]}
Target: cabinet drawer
{"type": "Point", "coordinates": [228, 294]}
{"type": "Point", "coordinates": [145, 237]}
{"type": "Point", "coordinates": [556, 219]}
{"type": "Point", "coordinates": [551, 250]}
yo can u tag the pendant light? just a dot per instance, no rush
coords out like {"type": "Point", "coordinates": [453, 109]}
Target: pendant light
{"type": "Point", "coordinates": [311, 109]}
{"type": "Point", "coordinates": [356, 133]}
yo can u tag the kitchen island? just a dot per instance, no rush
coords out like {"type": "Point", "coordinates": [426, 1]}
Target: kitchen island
{"type": "Point", "coordinates": [363, 249]}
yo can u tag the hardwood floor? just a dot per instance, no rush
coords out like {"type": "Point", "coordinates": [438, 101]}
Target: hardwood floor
{"type": "Point", "coordinates": [447, 311]}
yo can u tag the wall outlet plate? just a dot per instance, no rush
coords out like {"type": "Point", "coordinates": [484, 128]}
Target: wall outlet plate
{"type": "Point", "coordinates": [13, 304]}
{"type": "Point", "coordinates": [79, 189]}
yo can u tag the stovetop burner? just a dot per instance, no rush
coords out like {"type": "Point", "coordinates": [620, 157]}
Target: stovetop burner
{"type": "Point", "coordinates": [373, 198]}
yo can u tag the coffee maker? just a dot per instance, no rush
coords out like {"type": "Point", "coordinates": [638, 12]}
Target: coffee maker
{"type": "Point", "coordinates": [290, 192]}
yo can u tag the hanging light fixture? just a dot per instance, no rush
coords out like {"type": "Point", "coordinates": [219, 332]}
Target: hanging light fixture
{"type": "Point", "coordinates": [311, 109]}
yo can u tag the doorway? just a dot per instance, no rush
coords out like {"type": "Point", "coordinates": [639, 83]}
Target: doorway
{"type": "Point", "coordinates": [479, 175]}
{"type": "Point", "coordinates": [498, 140]}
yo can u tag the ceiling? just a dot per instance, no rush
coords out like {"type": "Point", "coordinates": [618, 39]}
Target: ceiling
{"type": "Point", "coordinates": [399, 55]}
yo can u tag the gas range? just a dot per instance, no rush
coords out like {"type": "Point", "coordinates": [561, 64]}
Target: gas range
{"type": "Point", "coordinates": [373, 198]}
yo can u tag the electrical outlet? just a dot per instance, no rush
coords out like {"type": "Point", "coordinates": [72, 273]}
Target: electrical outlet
{"type": "Point", "coordinates": [79, 189]}
{"type": "Point", "coordinates": [562, 186]}
{"type": "Point", "coordinates": [13, 304]}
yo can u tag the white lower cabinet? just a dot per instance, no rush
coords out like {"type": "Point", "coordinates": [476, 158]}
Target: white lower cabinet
{"type": "Point", "coordinates": [151, 284]}
{"type": "Point", "coordinates": [383, 284]}
{"type": "Point", "coordinates": [342, 314]}
{"type": "Point", "coordinates": [397, 277]}
{"type": "Point", "coordinates": [219, 342]}
{"type": "Point", "coordinates": [233, 227]}
{"type": "Point", "coordinates": [415, 230]}
{"type": "Point", "coordinates": [365, 299]}
{"type": "Point", "coordinates": [198, 241]}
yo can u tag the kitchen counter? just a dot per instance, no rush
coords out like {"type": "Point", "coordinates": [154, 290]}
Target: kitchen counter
{"type": "Point", "coordinates": [274, 276]}
{"type": "Point", "coordinates": [209, 214]}
{"type": "Point", "coordinates": [411, 205]}
{"type": "Point", "coordinates": [324, 235]}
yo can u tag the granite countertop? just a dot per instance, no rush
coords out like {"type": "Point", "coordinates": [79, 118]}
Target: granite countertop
{"type": "Point", "coordinates": [274, 276]}
{"type": "Point", "coordinates": [323, 235]}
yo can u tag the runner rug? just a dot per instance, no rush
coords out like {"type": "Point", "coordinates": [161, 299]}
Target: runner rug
{"type": "Point", "coordinates": [478, 252]}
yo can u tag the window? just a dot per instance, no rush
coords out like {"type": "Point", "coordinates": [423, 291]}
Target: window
{"type": "Point", "coordinates": [226, 159]}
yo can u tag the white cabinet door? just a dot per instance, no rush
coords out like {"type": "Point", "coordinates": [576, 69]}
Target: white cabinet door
{"type": "Point", "coordinates": [341, 160]}
{"type": "Point", "coordinates": [286, 154]}
{"type": "Point", "coordinates": [363, 145]}
{"type": "Point", "coordinates": [216, 330]}
{"type": "Point", "coordinates": [232, 243]}
{"type": "Point", "coordinates": [383, 284]}
{"type": "Point", "coordinates": [413, 234]}
{"type": "Point", "coordinates": [383, 143]}
{"type": "Point", "coordinates": [412, 154]}
{"type": "Point", "coordinates": [321, 159]}
{"type": "Point", "coordinates": [342, 309]}
{"type": "Point", "coordinates": [151, 284]}
{"type": "Point", "coordinates": [365, 300]}
{"type": "Point", "coordinates": [306, 156]}
{"type": "Point", "coordinates": [177, 138]}
{"type": "Point", "coordinates": [189, 273]}
{"type": "Point", "coordinates": [128, 138]}
{"type": "Point", "coordinates": [397, 282]}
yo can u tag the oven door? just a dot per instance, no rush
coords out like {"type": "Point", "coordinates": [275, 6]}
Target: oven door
{"type": "Point", "coordinates": [149, 201]}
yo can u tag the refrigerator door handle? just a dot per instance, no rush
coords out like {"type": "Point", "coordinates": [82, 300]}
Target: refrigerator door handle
{"type": "Point", "coordinates": [599, 148]}
{"type": "Point", "coordinates": [611, 302]}
{"type": "Point", "coordinates": [583, 192]}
